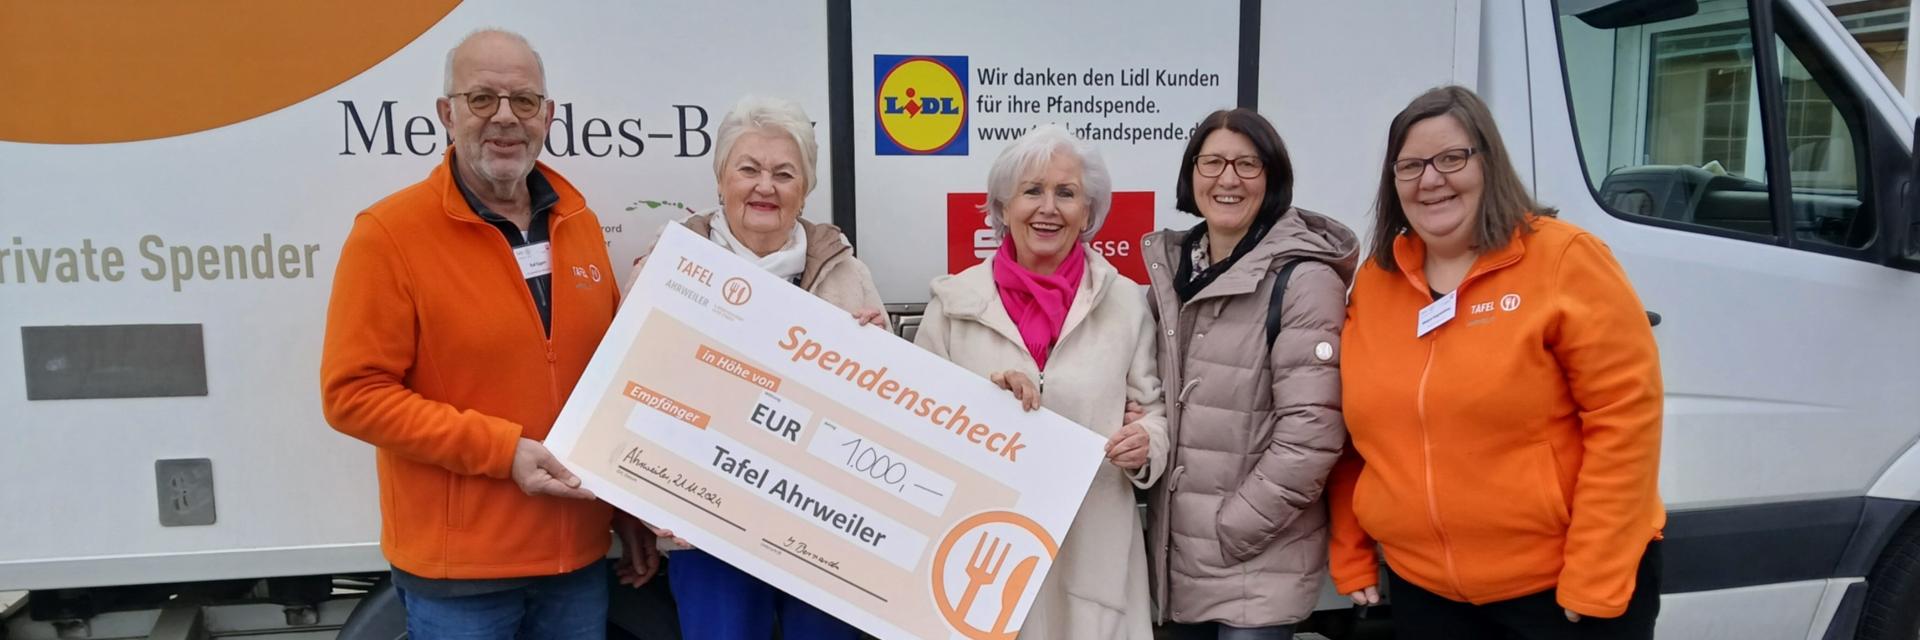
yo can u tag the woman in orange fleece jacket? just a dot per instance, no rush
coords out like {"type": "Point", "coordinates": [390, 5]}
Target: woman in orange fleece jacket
{"type": "Point", "coordinates": [1502, 392]}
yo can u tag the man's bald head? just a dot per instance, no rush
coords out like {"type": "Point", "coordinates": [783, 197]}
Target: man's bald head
{"type": "Point", "coordinates": [491, 38]}
{"type": "Point", "coordinates": [495, 145]}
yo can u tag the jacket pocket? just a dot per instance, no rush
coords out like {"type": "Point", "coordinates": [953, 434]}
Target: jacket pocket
{"type": "Point", "coordinates": [1554, 497]}
{"type": "Point", "coordinates": [1391, 514]}
{"type": "Point", "coordinates": [1368, 507]}
{"type": "Point", "coordinates": [457, 495]}
{"type": "Point", "coordinates": [1510, 495]}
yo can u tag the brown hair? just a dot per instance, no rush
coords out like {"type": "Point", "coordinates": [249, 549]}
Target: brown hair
{"type": "Point", "coordinates": [1504, 201]}
{"type": "Point", "coordinates": [1266, 144]}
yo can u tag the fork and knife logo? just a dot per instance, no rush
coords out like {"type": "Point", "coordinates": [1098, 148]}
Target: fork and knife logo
{"type": "Point", "coordinates": [983, 570]}
{"type": "Point", "coordinates": [989, 540]}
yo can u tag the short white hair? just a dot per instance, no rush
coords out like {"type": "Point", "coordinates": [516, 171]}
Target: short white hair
{"type": "Point", "coordinates": [539, 64]}
{"type": "Point", "coordinates": [1031, 153]}
{"type": "Point", "coordinates": [767, 115]}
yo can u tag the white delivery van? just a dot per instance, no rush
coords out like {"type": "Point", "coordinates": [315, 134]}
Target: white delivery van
{"type": "Point", "coordinates": [174, 203]}
{"type": "Point", "coordinates": [1753, 171]}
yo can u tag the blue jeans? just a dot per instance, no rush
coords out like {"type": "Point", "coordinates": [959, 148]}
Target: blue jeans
{"type": "Point", "coordinates": [719, 602]}
{"type": "Point", "coordinates": [572, 606]}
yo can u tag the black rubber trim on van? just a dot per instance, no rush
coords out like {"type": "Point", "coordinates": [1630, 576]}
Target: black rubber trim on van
{"type": "Point", "coordinates": [840, 114]}
{"type": "Point", "coordinates": [1880, 518]}
{"type": "Point", "coordinates": [1846, 617]}
{"type": "Point", "coordinates": [1763, 544]}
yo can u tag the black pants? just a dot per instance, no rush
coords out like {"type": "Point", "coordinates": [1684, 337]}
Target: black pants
{"type": "Point", "coordinates": [1419, 614]}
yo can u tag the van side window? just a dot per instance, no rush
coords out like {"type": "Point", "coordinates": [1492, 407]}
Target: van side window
{"type": "Point", "coordinates": [1669, 119]}
{"type": "Point", "coordinates": [1823, 151]}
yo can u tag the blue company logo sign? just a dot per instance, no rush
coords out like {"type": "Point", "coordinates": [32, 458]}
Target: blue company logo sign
{"type": "Point", "coordinates": [920, 105]}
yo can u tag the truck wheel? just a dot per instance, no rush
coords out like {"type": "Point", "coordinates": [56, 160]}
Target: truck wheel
{"type": "Point", "coordinates": [1893, 590]}
{"type": "Point", "coordinates": [379, 616]}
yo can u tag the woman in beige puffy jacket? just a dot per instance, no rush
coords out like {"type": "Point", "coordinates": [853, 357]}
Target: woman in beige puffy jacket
{"type": "Point", "coordinates": [1238, 533]}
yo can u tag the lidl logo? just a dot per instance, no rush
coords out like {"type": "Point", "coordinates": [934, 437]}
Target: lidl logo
{"type": "Point", "coordinates": [920, 105]}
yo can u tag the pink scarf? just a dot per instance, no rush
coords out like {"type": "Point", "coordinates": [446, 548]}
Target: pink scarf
{"type": "Point", "coordinates": [1038, 304]}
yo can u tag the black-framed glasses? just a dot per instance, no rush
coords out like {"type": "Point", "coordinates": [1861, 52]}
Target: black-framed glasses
{"type": "Point", "coordinates": [1212, 166]}
{"type": "Point", "coordinates": [524, 104]}
{"type": "Point", "coordinates": [1448, 161]}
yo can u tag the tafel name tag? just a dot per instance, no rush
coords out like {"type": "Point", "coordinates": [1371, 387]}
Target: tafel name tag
{"type": "Point", "coordinates": [1438, 313]}
{"type": "Point", "coordinates": [535, 259]}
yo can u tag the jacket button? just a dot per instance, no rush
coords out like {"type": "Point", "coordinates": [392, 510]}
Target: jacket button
{"type": "Point", "coordinates": [1169, 332]}
{"type": "Point", "coordinates": [1198, 336]}
{"type": "Point", "coordinates": [1146, 243]}
{"type": "Point", "coordinates": [553, 357]}
{"type": "Point", "coordinates": [1156, 265]}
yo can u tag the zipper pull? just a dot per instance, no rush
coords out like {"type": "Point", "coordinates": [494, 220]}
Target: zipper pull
{"type": "Point", "coordinates": [1043, 382]}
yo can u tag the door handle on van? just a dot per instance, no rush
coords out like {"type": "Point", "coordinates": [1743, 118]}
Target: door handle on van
{"type": "Point", "coordinates": [1653, 319]}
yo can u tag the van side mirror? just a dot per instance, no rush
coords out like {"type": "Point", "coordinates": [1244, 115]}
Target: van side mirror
{"type": "Point", "coordinates": [1615, 14]}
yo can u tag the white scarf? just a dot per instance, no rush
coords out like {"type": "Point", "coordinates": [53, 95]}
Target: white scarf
{"type": "Point", "coordinates": [787, 263]}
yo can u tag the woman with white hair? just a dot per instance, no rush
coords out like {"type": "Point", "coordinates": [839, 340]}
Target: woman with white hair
{"type": "Point", "coordinates": [764, 159]}
{"type": "Point", "coordinates": [1048, 319]}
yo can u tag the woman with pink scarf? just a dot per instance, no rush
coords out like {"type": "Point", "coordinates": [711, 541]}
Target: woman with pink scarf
{"type": "Point", "coordinates": [1052, 322]}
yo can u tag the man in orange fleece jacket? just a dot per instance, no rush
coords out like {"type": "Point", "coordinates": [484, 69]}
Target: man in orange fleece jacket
{"type": "Point", "coordinates": [464, 309]}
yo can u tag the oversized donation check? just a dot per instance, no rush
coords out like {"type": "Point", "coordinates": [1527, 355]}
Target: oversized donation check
{"type": "Point", "coordinates": [845, 466]}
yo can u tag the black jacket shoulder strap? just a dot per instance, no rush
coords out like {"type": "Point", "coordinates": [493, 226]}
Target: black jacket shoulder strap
{"type": "Point", "coordinates": [1278, 303]}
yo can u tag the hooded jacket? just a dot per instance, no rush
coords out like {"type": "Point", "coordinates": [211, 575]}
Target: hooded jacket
{"type": "Point", "coordinates": [1237, 532]}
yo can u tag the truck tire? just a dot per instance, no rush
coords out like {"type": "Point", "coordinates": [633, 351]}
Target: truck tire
{"type": "Point", "coordinates": [380, 616]}
{"type": "Point", "coordinates": [1892, 609]}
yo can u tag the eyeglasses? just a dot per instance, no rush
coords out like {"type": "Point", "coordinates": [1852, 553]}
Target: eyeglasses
{"type": "Point", "coordinates": [1213, 166]}
{"type": "Point", "coordinates": [483, 105]}
{"type": "Point", "coordinates": [1448, 161]}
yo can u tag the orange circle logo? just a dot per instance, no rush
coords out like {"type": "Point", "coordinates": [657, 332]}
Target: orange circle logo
{"type": "Point", "coordinates": [121, 70]}
{"type": "Point", "coordinates": [986, 568]}
{"type": "Point", "coordinates": [736, 291]}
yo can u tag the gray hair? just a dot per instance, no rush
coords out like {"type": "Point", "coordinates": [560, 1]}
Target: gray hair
{"type": "Point", "coordinates": [1030, 153]}
{"type": "Point", "coordinates": [492, 31]}
{"type": "Point", "coordinates": [767, 115]}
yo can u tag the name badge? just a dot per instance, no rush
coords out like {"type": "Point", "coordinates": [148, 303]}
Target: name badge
{"type": "Point", "coordinates": [1438, 313]}
{"type": "Point", "coordinates": [537, 259]}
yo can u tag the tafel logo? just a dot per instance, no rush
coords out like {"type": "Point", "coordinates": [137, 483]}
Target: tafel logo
{"type": "Point", "coordinates": [970, 241]}
{"type": "Point", "coordinates": [980, 594]}
{"type": "Point", "coordinates": [736, 291]}
{"type": "Point", "coordinates": [920, 105]}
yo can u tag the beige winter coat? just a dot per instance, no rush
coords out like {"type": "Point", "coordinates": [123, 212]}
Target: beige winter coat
{"type": "Point", "coordinates": [1104, 357]}
{"type": "Point", "coordinates": [832, 273]}
{"type": "Point", "coordinates": [1239, 533]}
